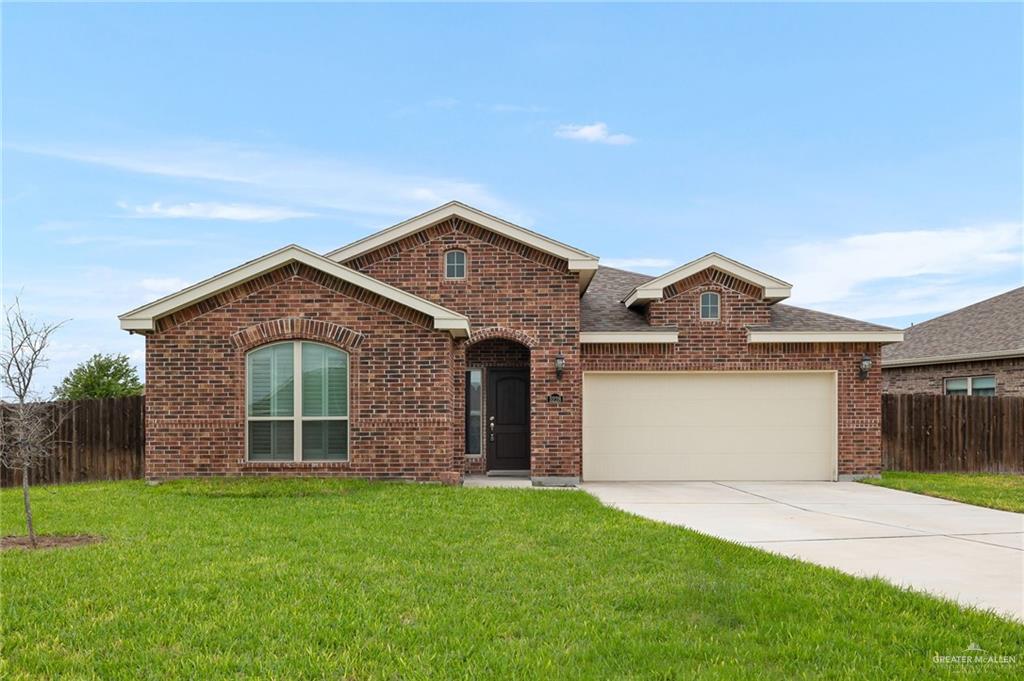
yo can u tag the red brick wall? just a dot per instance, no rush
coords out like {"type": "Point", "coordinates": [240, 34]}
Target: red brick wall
{"type": "Point", "coordinates": [400, 380]}
{"type": "Point", "coordinates": [1009, 375]}
{"type": "Point", "coordinates": [512, 291]}
{"type": "Point", "coordinates": [722, 346]}
{"type": "Point", "coordinates": [407, 379]}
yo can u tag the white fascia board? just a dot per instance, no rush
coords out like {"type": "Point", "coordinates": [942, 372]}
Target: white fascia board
{"type": "Point", "coordinates": [595, 337]}
{"type": "Point", "coordinates": [578, 260]}
{"type": "Point", "coordinates": [953, 359]}
{"type": "Point", "coordinates": [774, 289]}
{"type": "Point", "coordinates": [458, 328]}
{"type": "Point", "coordinates": [824, 336]}
{"type": "Point", "coordinates": [643, 295]}
{"type": "Point", "coordinates": [144, 318]}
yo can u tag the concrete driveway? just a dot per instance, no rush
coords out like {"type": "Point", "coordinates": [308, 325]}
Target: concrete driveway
{"type": "Point", "coordinates": [971, 554]}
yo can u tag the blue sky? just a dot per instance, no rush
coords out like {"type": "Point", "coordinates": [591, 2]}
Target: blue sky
{"type": "Point", "coordinates": [870, 154]}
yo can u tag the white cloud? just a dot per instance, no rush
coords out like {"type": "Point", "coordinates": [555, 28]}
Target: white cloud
{"type": "Point", "coordinates": [595, 132]}
{"type": "Point", "coordinates": [161, 286]}
{"type": "Point", "coordinates": [215, 211]}
{"type": "Point", "coordinates": [892, 274]}
{"type": "Point", "coordinates": [640, 263]}
{"type": "Point", "coordinates": [286, 175]}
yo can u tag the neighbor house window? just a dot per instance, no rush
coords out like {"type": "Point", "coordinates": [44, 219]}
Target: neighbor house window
{"type": "Point", "coordinates": [709, 305]}
{"type": "Point", "coordinates": [971, 385]}
{"type": "Point", "coordinates": [455, 265]}
{"type": "Point", "coordinates": [474, 414]}
{"type": "Point", "coordinates": [297, 415]}
{"type": "Point", "coordinates": [983, 385]}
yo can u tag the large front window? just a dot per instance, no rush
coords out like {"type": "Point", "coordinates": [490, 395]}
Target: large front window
{"type": "Point", "coordinates": [297, 415]}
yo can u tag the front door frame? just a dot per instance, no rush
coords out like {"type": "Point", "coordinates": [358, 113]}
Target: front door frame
{"type": "Point", "coordinates": [492, 375]}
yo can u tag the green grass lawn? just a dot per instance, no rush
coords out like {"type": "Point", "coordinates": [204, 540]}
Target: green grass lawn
{"type": "Point", "coordinates": [1002, 491]}
{"type": "Point", "coordinates": [342, 580]}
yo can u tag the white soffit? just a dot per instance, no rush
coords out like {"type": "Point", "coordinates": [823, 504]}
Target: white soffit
{"type": "Point", "coordinates": [144, 318]}
{"type": "Point", "coordinates": [597, 337]}
{"type": "Point", "coordinates": [774, 289]}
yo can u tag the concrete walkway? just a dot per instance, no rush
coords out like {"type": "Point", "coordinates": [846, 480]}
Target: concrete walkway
{"type": "Point", "coordinates": [971, 554]}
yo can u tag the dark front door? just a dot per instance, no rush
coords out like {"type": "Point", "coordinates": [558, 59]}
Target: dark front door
{"type": "Point", "coordinates": [508, 420]}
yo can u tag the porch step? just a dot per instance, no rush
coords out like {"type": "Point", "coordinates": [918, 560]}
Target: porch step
{"type": "Point", "coordinates": [508, 474]}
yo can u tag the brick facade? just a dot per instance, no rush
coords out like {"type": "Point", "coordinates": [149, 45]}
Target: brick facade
{"type": "Point", "coordinates": [400, 384]}
{"type": "Point", "coordinates": [510, 291]}
{"type": "Point", "coordinates": [722, 346]}
{"type": "Point", "coordinates": [407, 379]}
{"type": "Point", "coordinates": [929, 379]}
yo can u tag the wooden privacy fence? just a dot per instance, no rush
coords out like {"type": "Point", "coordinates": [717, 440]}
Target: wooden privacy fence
{"type": "Point", "coordinates": [101, 439]}
{"type": "Point", "coordinates": [954, 433]}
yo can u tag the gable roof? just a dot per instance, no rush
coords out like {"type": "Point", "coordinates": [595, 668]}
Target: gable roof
{"type": "Point", "coordinates": [144, 318]}
{"type": "Point", "coordinates": [604, 318]}
{"type": "Point", "coordinates": [774, 289]}
{"type": "Point", "coordinates": [578, 261]}
{"type": "Point", "coordinates": [991, 329]}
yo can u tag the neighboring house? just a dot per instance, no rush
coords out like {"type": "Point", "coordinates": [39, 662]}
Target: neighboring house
{"type": "Point", "coordinates": [456, 342]}
{"type": "Point", "coordinates": [977, 350]}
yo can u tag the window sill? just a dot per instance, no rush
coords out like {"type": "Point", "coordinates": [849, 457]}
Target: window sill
{"type": "Point", "coordinates": [296, 464]}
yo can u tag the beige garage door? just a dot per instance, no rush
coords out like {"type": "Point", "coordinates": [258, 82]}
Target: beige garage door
{"type": "Point", "coordinates": [709, 426]}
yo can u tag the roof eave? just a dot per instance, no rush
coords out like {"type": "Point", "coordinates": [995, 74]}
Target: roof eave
{"type": "Point", "coordinates": [144, 318]}
{"type": "Point", "coordinates": [578, 261]}
{"type": "Point", "coordinates": [599, 337]}
{"type": "Point", "coordinates": [952, 359]}
{"type": "Point", "coordinates": [882, 337]}
{"type": "Point", "coordinates": [774, 289]}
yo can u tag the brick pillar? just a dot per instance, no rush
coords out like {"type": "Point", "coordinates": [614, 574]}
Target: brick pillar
{"type": "Point", "coordinates": [458, 387]}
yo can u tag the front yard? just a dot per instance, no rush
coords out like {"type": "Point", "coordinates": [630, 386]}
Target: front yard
{"type": "Point", "coordinates": [325, 579]}
{"type": "Point", "coordinates": [1002, 491]}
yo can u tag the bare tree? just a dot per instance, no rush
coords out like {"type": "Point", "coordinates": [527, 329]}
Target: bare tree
{"type": "Point", "coordinates": [28, 428]}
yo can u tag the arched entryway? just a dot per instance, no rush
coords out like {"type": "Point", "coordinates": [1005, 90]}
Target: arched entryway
{"type": "Point", "coordinates": [497, 436]}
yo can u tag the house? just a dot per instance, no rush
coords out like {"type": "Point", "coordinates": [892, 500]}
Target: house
{"type": "Point", "coordinates": [977, 350]}
{"type": "Point", "coordinates": [456, 342]}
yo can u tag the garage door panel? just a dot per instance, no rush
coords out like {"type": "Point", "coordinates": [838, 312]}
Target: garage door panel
{"type": "Point", "coordinates": [646, 467]}
{"type": "Point", "coordinates": [726, 426]}
{"type": "Point", "coordinates": [747, 440]}
{"type": "Point", "coordinates": [712, 412]}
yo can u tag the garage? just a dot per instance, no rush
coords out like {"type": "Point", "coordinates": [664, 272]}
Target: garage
{"type": "Point", "coordinates": [709, 425]}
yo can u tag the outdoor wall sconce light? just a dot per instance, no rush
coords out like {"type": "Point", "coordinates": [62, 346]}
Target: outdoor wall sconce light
{"type": "Point", "coordinates": [865, 366]}
{"type": "Point", "coordinates": [559, 365]}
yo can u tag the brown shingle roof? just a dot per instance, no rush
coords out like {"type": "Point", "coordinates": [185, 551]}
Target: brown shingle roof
{"type": "Point", "coordinates": [995, 325]}
{"type": "Point", "coordinates": [601, 309]}
{"type": "Point", "coordinates": [791, 318]}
